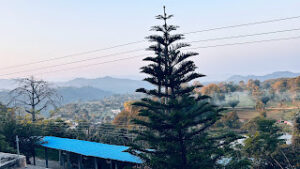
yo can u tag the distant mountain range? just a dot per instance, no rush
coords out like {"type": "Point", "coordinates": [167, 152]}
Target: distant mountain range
{"type": "Point", "coordinates": [275, 75]}
{"type": "Point", "coordinates": [83, 89]}
{"type": "Point", "coordinates": [7, 84]}
{"type": "Point", "coordinates": [114, 85]}
{"type": "Point", "coordinates": [109, 84]}
{"type": "Point", "coordinates": [73, 94]}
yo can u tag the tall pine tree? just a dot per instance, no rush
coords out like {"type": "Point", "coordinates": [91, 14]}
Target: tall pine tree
{"type": "Point", "coordinates": [177, 129]}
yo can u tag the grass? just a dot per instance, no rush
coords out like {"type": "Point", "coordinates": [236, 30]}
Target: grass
{"type": "Point", "coordinates": [243, 97]}
{"type": "Point", "coordinates": [273, 114]}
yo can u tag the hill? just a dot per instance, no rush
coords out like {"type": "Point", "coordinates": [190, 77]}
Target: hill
{"type": "Point", "coordinates": [114, 85]}
{"type": "Point", "coordinates": [110, 84]}
{"type": "Point", "coordinates": [275, 75]}
{"type": "Point", "coordinates": [73, 94]}
{"type": "Point", "coordinates": [7, 84]}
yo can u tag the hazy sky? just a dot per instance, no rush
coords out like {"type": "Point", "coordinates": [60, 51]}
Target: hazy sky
{"type": "Point", "coordinates": [35, 30]}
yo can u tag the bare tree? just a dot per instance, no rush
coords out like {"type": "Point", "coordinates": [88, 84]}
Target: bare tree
{"type": "Point", "coordinates": [34, 96]}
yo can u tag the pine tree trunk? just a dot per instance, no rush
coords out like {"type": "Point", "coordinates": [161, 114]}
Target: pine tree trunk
{"type": "Point", "coordinates": [183, 152]}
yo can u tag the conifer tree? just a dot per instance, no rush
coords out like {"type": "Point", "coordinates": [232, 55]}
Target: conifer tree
{"type": "Point", "coordinates": [178, 121]}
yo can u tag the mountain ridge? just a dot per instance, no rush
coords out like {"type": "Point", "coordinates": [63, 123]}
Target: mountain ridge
{"type": "Point", "coordinates": [123, 85]}
{"type": "Point", "coordinates": [107, 83]}
{"type": "Point", "coordinates": [274, 75]}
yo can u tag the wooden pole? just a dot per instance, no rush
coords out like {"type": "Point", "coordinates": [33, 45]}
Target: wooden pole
{"type": "Point", "coordinates": [46, 157]}
{"type": "Point", "coordinates": [80, 162]}
{"type": "Point", "coordinates": [60, 157]}
{"type": "Point", "coordinates": [68, 160]}
{"type": "Point", "coordinates": [111, 164]}
{"type": "Point", "coordinates": [63, 160]}
{"type": "Point", "coordinates": [18, 148]}
{"type": "Point", "coordinates": [95, 163]}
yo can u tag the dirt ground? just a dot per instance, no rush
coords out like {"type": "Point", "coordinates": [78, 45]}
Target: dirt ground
{"type": "Point", "coordinates": [41, 164]}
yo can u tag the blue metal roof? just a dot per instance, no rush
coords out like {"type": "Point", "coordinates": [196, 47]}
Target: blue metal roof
{"type": "Point", "coordinates": [93, 149]}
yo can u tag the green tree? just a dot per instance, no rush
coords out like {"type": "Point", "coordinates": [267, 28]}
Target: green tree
{"type": "Point", "coordinates": [263, 144]}
{"type": "Point", "coordinates": [265, 99]}
{"type": "Point", "coordinates": [30, 137]}
{"type": "Point", "coordinates": [177, 120]}
{"type": "Point", "coordinates": [230, 120]}
{"type": "Point", "coordinates": [233, 103]}
{"type": "Point", "coordinates": [7, 129]}
{"type": "Point", "coordinates": [4, 145]}
{"type": "Point", "coordinates": [112, 134]}
{"type": "Point", "coordinates": [57, 127]}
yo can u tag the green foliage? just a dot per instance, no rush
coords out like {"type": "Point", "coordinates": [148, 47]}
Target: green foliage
{"type": "Point", "coordinates": [265, 99]}
{"type": "Point", "coordinates": [266, 148]}
{"type": "Point", "coordinates": [296, 133]}
{"type": "Point", "coordinates": [238, 159]}
{"type": "Point", "coordinates": [29, 136]}
{"type": "Point", "coordinates": [111, 134]}
{"type": "Point", "coordinates": [264, 143]}
{"type": "Point", "coordinates": [52, 153]}
{"type": "Point", "coordinates": [4, 145]}
{"type": "Point", "coordinates": [103, 110]}
{"type": "Point", "coordinates": [230, 120]}
{"type": "Point", "coordinates": [57, 127]}
{"type": "Point", "coordinates": [233, 103]}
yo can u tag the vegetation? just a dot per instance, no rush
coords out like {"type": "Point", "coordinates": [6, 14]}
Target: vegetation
{"type": "Point", "coordinates": [233, 103]}
{"type": "Point", "coordinates": [230, 120]}
{"type": "Point", "coordinates": [100, 111]}
{"type": "Point", "coordinates": [266, 147]}
{"type": "Point", "coordinates": [263, 143]}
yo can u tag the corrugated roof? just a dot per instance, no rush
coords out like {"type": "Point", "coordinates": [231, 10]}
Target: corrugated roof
{"type": "Point", "coordinates": [93, 149]}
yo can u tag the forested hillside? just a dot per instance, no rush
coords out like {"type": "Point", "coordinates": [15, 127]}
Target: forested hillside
{"type": "Point", "coordinates": [98, 111]}
{"type": "Point", "coordinates": [82, 94]}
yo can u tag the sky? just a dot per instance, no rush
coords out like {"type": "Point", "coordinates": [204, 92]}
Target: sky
{"type": "Point", "coordinates": [35, 31]}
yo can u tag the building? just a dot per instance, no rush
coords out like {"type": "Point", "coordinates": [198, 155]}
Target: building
{"type": "Point", "coordinates": [85, 154]}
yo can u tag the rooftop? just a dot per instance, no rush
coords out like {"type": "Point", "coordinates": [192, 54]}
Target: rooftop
{"type": "Point", "coordinates": [92, 149]}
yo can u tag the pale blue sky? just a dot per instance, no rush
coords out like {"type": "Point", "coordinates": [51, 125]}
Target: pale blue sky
{"type": "Point", "coordinates": [34, 30]}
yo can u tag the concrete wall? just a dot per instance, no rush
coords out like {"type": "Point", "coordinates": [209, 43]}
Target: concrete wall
{"type": "Point", "coordinates": [12, 161]}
